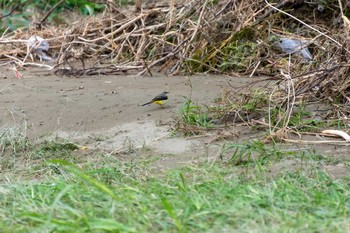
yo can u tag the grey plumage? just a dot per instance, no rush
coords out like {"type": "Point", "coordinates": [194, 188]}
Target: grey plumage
{"type": "Point", "coordinates": [161, 97]}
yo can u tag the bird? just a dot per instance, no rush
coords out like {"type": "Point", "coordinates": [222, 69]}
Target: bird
{"type": "Point", "coordinates": [159, 99]}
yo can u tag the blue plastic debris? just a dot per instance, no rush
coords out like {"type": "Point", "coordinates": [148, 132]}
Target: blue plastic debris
{"type": "Point", "coordinates": [294, 46]}
{"type": "Point", "coordinates": [40, 46]}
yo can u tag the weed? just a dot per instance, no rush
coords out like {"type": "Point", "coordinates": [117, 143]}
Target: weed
{"type": "Point", "coordinates": [255, 101]}
{"type": "Point", "coordinates": [129, 146]}
{"type": "Point", "coordinates": [300, 120]}
{"type": "Point", "coordinates": [342, 124]}
{"type": "Point", "coordinates": [192, 114]}
{"type": "Point", "coordinates": [13, 138]}
{"type": "Point", "coordinates": [53, 149]}
{"type": "Point", "coordinates": [255, 151]}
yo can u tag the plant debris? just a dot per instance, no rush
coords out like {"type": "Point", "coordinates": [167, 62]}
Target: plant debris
{"type": "Point", "coordinates": [227, 37]}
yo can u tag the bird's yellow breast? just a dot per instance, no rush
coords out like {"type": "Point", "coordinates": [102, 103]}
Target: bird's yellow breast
{"type": "Point", "coordinates": [160, 102]}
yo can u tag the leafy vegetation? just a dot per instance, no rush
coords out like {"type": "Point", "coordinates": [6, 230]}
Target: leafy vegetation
{"type": "Point", "coordinates": [193, 114]}
{"type": "Point", "coordinates": [27, 11]}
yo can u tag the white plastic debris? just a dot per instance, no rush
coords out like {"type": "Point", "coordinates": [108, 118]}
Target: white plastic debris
{"type": "Point", "coordinates": [294, 46]}
{"type": "Point", "coordinates": [39, 46]}
{"type": "Point", "coordinates": [337, 133]}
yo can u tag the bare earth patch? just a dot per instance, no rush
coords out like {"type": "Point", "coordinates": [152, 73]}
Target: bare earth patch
{"type": "Point", "coordinates": [105, 113]}
{"type": "Point", "coordinates": [95, 104]}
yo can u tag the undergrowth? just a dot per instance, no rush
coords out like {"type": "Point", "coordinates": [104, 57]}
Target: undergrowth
{"type": "Point", "coordinates": [194, 114]}
{"type": "Point", "coordinates": [257, 109]}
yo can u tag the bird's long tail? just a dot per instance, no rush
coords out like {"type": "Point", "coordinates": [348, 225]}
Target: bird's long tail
{"type": "Point", "coordinates": [147, 103]}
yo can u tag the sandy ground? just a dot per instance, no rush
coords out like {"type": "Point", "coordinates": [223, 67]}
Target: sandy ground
{"type": "Point", "coordinates": [104, 109]}
{"type": "Point", "coordinates": [105, 112]}
{"type": "Point", "coordinates": [50, 103]}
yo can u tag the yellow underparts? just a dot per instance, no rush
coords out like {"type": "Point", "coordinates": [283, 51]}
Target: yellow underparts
{"type": "Point", "coordinates": [160, 102]}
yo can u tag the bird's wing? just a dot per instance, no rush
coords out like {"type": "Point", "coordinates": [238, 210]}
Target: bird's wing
{"type": "Point", "coordinates": [160, 97]}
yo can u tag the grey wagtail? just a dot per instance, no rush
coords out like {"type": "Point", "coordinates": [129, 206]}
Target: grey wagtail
{"type": "Point", "coordinates": [159, 99]}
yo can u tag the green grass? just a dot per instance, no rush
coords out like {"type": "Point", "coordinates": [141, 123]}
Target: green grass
{"type": "Point", "coordinates": [193, 114]}
{"type": "Point", "coordinates": [191, 199]}
{"type": "Point", "coordinates": [111, 196]}
{"type": "Point", "coordinates": [61, 189]}
{"type": "Point", "coordinates": [13, 138]}
{"type": "Point", "coordinates": [254, 152]}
